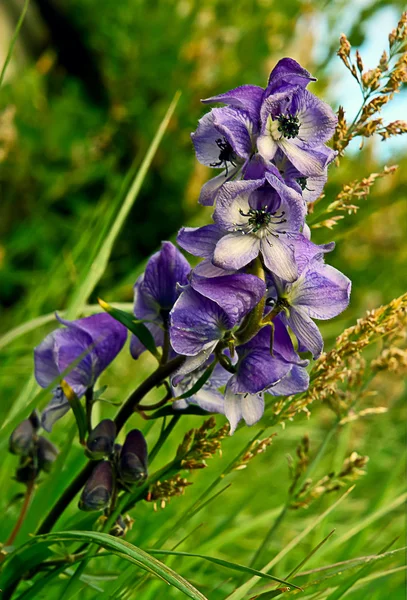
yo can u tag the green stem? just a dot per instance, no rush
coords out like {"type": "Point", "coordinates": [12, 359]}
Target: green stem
{"type": "Point", "coordinates": [252, 323]}
{"type": "Point", "coordinates": [163, 437]}
{"type": "Point", "coordinates": [13, 40]}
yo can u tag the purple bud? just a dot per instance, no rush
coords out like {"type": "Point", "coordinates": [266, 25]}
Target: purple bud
{"type": "Point", "coordinates": [22, 439]}
{"type": "Point", "coordinates": [133, 457]}
{"type": "Point", "coordinates": [46, 454]}
{"type": "Point", "coordinates": [98, 489]}
{"type": "Point", "coordinates": [101, 439]}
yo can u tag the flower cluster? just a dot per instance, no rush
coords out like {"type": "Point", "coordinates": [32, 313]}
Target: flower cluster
{"type": "Point", "coordinates": [261, 276]}
{"type": "Point", "coordinates": [244, 316]}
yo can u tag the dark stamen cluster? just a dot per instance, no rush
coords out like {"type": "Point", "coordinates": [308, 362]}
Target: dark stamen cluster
{"type": "Point", "coordinates": [289, 126]}
{"type": "Point", "coordinates": [261, 218]}
{"type": "Point", "coordinates": [302, 182]}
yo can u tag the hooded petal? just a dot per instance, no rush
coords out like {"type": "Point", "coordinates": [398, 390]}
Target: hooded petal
{"type": "Point", "coordinates": [235, 251]}
{"type": "Point", "coordinates": [246, 97]}
{"type": "Point", "coordinates": [164, 271]}
{"type": "Point", "coordinates": [46, 369]}
{"type": "Point", "coordinates": [107, 335]}
{"type": "Point", "coordinates": [292, 203]}
{"type": "Point", "coordinates": [237, 294]}
{"type": "Point", "coordinates": [287, 72]}
{"type": "Point", "coordinates": [70, 343]}
{"type": "Point", "coordinates": [307, 333]}
{"type": "Point", "coordinates": [233, 200]}
{"type": "Point", "coordinates": [322, 291]}
{"type": "Point", "coordinates": [196, 323]}
{"type": "Point", "coordinates": [237, 129]}
{"type": "Point", "coordinates": [200, 241]}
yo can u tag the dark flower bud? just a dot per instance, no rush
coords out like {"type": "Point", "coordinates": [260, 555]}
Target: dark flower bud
{"type": "Point", "coordinates": [35, 419]}
{"type": "Point", "coordinates": [22, 439]}
{"type": "Point", "coordinates": [133, 457]}
{"type": "Point", "coordinates": [26, 472]}
{"type": "Point", "coordinates": [98, 489]}
{"type": "Point", "coordinates": [46, 454]}
{"type": "Point", "coordinates": [101, 439]}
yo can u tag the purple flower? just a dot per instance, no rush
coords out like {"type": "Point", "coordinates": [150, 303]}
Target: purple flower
{"type": "Point", "coordinates": [261, 216]}
{"type": "Point", "coordinates": [320, 292]}
{"type": "Point", "coordinates": [250, 97]}
{"type": "Point", "coordinates": [311, 186]}
{"type": "Point", "coordinates": [156, 291]}
{"type": "Point", "coordinates": [256, 371]}
{"type": "Point", "coordinates": [103, 334]}
{"type": "Point", "coordinates": [207, 310]}
{"type": "Point", "coordinates": [223, 140]}
{"type": "Point", "coordinates": [298, 123]}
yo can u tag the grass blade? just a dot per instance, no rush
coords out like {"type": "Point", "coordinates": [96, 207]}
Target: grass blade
{"type": "Point", "coordinates": [92, 276]}
{"type": "Point", "coordinates": [241, 591]}
{"type": "Point", "coordinates": [227, 564]}
{"type": "Point", "coordinates": [13, 40]}
{"type": "Point", "coordinates": [115, 545]}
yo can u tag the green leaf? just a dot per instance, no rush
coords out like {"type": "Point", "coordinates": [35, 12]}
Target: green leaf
{"type": "Point", "coordinates": [200, 383]}
{"type": "Point", "coordinates": [39, 545]}
{"type": "Point", "coordinates": [134, 325]}
{"type": "Point", "coordinates": [78, 410]}
{"type": "Point", "coordinates": [99, 261]}
{"type": "Point", "coordinates": [227, 564]}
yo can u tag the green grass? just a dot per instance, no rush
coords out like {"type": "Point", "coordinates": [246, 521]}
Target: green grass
{"type": "Point", "coordinates": [347, 543]}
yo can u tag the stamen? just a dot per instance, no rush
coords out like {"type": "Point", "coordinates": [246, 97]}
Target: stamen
{"type": "Point", "coordinates": [289, 126]}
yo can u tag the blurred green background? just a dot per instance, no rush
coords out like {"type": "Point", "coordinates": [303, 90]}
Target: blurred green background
{"type": "Point", "coordinates": [84, 94]}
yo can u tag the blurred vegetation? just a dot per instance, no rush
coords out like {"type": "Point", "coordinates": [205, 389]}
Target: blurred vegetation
{"type": "Point", "coordinates": [87, 89]}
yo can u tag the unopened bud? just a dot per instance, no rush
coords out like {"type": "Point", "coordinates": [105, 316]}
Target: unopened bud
{"type": "Point", "coordinates": [101, 440]}
{"type": "Point", "coordinates": [27, 472]}
{"type": "Point", "coordinates": [98, 489]}
{"type": "Point", "coordinates": [22, 439]}
{"type": "Point", "coordinates": [133, 457]}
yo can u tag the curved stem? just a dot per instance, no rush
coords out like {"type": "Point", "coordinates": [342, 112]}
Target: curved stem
{"type": "Point", "coordinates": [125, 412]}
{"type": "Point", "coordinates": [26, 504]}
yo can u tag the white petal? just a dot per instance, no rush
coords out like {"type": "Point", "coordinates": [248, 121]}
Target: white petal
{"type": "Point", "coordinates": [252, 408]}
{"type": "Point", "coordinates": [236, 250]}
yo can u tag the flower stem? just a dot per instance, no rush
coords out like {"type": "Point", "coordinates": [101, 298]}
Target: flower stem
{"type": "Point", "coordinates": [26, 504]}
